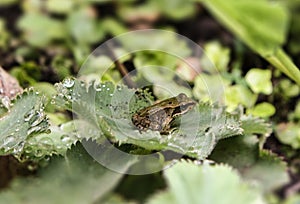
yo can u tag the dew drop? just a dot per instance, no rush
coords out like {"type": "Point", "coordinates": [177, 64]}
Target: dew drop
{"type": "Point", "coordinates": [68, 97]}
{"type": "Point", "coordinates": [68, 83]}
{"type": "Point", "coordinates": [65, 138]}
{"type": "Point", "coordinates": [9, 140]}
{"type": "Point", "coordinates": [28, 149]}
{"type": "Point", "coordinates": [19, 148]}
{"type": "Point", "coordinates": [38, 153]}
{"type": "Point", "coordinates": [47, 158]}
{"type": "Point", "coordinates": [46, 142]}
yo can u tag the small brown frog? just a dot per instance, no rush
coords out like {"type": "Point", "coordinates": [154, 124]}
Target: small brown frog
{"type": "Point", "coordinates": [160, 115]}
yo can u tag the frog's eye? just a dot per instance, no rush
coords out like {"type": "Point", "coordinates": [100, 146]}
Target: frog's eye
{"type": "Point", "coordinates": [181, 96]}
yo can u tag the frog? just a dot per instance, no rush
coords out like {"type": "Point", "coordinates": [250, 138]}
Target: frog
{"type": "Point", "coordinates": [159, 116]}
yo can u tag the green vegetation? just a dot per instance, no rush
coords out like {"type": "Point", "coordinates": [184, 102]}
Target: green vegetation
{"type": "Point", "coordinates": [68, 137]}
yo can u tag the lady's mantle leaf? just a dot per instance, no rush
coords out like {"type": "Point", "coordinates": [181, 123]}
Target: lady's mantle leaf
{"type": "Point", "coordinates": [109, 108]}
{"type": "Point", "coordinates": [25, 119]}
{"type": "Point", "coordinates": [60, 139]}
{"type": "Point", "coordinates": [189, 183]}
{"type": "Point", "coordinates": [257, 165]}
{"type": "Point", "coordinates": [76, 178]}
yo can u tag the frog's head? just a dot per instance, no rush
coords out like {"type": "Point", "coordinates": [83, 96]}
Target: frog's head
{"type": "Point", "coordinates": [184, 104]}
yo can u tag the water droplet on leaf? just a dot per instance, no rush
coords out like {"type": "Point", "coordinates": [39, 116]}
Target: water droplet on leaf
{"type": "Point", "coordinates": [65, 138]}
{"type": "Point", "coordinates": [19, 147]}
{"type": "Point", "coordinates": [68, 83]}
{"type": "Point", "coordinates": [9, 140]}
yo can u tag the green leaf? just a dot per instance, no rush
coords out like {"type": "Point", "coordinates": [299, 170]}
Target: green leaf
{"type": "Point", "coordinates": [216, 57]}
{"type": "Point", "coordinates": [25, 119]}
{"type": "Point", "coordinates": [268, 167]}
{"type": "Point", "coordinates": [262, 25]}
{"type": "Point", "coordinates": [61, 7]}
{"type": "Point", "coordinates": [162, 41]}
{"type": "Point", "coordinates": [48, 90]}
{"type": "Point", "coordinates": [109, 108]}
{"type": "Point", "coordinates": [287, 88]}
{"type": "Point", "coordinates": [210, 87]}
{"type": "Point", "coordinates": [239, 152]}
{"type": "Point", "coordinates": [59, 140]}
{"type": "Point", "coordinates": [259, 81]}
{"type": "Point", "coordinates": [76, 178]}
{"type": "Point", "coordinates": [113, 26]}
{"type": "Point", "coordinates": [257, 165]}
{"type": "Point", "coordinates": [262, 110]}
{"type": "Point", "coordinates": [40, 29]}
{"type": "Point", "coordinates": [189, 183]}
{"type": "Point", "coordinates": [130, 13]}
{"type": "Point", "coordinates": [289, 134]}
{"type": "Point", "coordinates": [83, 26]}
{"type": "Point", "coordinates": [96, 65]}
{"type": "Point", "coordinates": [175, 9]}
{"type": "Point", "coordinates": [255, 126]}
{"type": "Point", "coordinates": [239, 94]}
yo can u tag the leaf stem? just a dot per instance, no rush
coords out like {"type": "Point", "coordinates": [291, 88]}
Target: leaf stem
{"type": "Point", "coordinates": [122, 69]}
